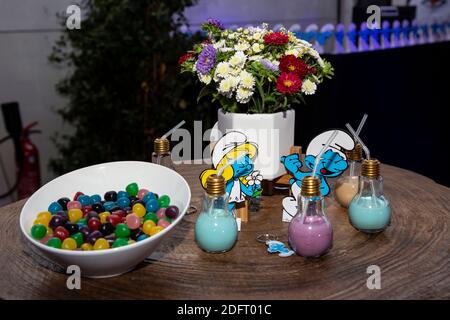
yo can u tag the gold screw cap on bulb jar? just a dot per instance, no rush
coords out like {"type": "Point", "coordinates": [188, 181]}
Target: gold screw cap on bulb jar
{"type": "Point", "coordinates": [310, 187]}
{"type": "Point", "coordinates": [370, 168]}
{"type": "Point", "coordinates": [215, 185]}
{"type": "Point", "coordinates": [161, 146]}
{"type": "Point", "coordinates": [355, 154]}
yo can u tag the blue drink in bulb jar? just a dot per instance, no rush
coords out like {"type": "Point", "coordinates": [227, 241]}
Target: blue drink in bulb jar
{"type": "Point", "coordinates": [216, 228]}
{"type": "Point", "coordinates": [369, 210]}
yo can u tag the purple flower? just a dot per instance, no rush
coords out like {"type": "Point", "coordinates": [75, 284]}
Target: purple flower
{"type": "Point", "coordinates": [216, 23]}
{"type": "Point", "coordinates": [206, 59]}
{"type": "Point", "coordinates": [268, 65]}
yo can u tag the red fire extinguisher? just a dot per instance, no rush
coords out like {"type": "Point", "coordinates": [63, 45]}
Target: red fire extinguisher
{"type": "Point", "coordinates": [29, 174]}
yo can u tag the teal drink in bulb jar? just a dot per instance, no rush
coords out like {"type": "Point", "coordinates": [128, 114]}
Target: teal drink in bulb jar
{"type": "Point", "coordinates": [369, 210]}
{"type": "Point", "coordinates": [216, 228]}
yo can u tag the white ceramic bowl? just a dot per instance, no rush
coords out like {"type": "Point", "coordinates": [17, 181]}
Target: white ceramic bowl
{"type": "Point", "coordinates": [99, 179]}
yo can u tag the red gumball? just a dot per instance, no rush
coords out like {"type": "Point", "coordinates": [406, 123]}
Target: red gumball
{"type": "Point", "coordinates": [114, 219]}
{"type": "Point", "coordinates": [119, 213]}
{"type": "Point", "coordinates": [61, 233]}
{"type": "Point", "coordinates": [79, 193]}
{"type": "Point", "coordinates": [86, 209]}
{"type": "Point", "coordinates": [94, 224]}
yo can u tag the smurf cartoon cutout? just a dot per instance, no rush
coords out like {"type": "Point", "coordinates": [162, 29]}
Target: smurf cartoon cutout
{"type": "Point", "coordinates": [332, 164]}
{"type": "Point", "coordinates": [232, 157]}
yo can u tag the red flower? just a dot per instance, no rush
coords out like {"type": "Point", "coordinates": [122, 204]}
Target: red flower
{"type": "Point", "coordinates": [291, 63]}
{"type": "Point", "coordinates": [288, 82]}
{"type": "Point", "coordinates": [185, 57]}
{"type": "Point", "coordinates": [276, 38]}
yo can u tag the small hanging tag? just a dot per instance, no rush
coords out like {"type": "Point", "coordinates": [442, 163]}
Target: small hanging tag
{"type": "Point", "coordinates": [279, 247]}
{"type": "Point", "coordinates": [238, 221]}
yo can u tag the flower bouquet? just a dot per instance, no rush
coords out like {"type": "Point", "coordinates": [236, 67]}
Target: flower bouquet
{"type": "Point", "coordinates": [255, 70]}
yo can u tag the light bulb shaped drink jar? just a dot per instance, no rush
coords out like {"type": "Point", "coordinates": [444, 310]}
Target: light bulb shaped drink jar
{"type": "Point", "coordinates": [161, 154]}
{"type": "Point", "coordinates": [310, 232]}
{"type": "Point", "coordinates": [369, 210]}
{"type": "Point", "coordinates": [346, 187]}
{"type": "Point", "coordinates": [216, 229]}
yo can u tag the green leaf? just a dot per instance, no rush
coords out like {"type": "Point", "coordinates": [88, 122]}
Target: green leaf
{"type": "Point", "coordinates": [206, 90]}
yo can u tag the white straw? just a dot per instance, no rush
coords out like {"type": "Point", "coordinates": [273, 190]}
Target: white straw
{"type": "Point", "coordinates": [168, 133]}
{"type": "Point", "coordinates": [366, 150]}
{"type": "Point", "coordinates": [361, 124]}
{"type": "Point", "coordinates": [325, 147]}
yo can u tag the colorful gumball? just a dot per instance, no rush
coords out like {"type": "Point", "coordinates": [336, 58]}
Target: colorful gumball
{"type": "Point", "coordinates": [164, 201]}
{"type": "Point", "coordinates": [151, 216]}
{"type": "Point", "coordinates": [75, 215]}
{"type": "Point", "coordinates": [61, 233]}
{"type": "Point", "coordinates": [161, 213]}
{"type": "Point", "coordinates": [94, 224]}
{"type": "Point", "coordinates": [172, 212]}
{"type": "Point", "coordinates": [132, 189]}
{"type": "Point", "coordinates": [101, 244]}
{"type": "Point", "coordinates": [123, 202]}
{"type": "Point", "coordinates": [54, 242]}
{"type": "Point", "coordinates": [38, 231]}
{"type": "Point", "coordinates": [69, 244]}
{"type": "Point", "coordinates": [155, 230]}
{"type": "Point", "coordinates": [133, 221]}
{"type": "Point", "coordinates": [163, 223]}
{"type": "Point", "coordinates": [142, 193]}
{"type": "Point", "coordinates": [122, 231]}
{"type": "Point", "coordinates": [139, 210]}
{"type": "Point", "coordinates": [147, 226]}
{"type": "Point", "coordinates": [152, 205]}
{"type": "Point", "coordinates": [73, 205]}
{"type": "Point", "coordinates": [54, 207]}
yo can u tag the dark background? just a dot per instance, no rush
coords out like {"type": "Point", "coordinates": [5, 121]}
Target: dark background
{"type": "Point", "coordinates": [405, 92]}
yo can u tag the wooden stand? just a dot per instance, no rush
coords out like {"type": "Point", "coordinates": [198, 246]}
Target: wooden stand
{"type": "Point", "coordinates": [281, 184]}
{"type": "Point", "coordinates": [242, 211]}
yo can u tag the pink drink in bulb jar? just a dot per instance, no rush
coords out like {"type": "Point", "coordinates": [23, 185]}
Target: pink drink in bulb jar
{"type": "Point", "coordinates": [312, 237]}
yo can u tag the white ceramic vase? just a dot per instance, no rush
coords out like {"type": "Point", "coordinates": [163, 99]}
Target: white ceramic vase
{"type": "Point", "coordinates": [273, 133]}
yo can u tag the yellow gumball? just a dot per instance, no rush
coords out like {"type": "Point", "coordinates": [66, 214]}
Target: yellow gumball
{"type": "Point", "coordinates": [155, 230]}
{"type": "Point", "coordinates": [103, 216]}
{"type": "Point", "coordinates": [44, 215]}
{"type": "Point", "coordinates": [49, 231]}
{"type": "Point", "coordinates": [69, 244]}
{"type": "Point", "coordinates": [101, 244]}
{"type": "Point", "coordinates": [148, 225]}
{"type": "Point", "coordinates": [75, 215]}
{"type": "Point", "coordinates": [131, 241]}
{"type": "Point", "coordinates": [86, 247]}
{"type": "Point", "coordinates": [139, 210]}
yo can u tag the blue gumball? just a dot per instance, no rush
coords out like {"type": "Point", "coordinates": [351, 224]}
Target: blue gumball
{"type": "Point", "coordinates": [96, 198]}
{"type": "Point", "coordinates": [54, 207]}
{"type": "Point", "coordinates": [122, 194]}
{"type": "Point", "coordinates": [108, 205]}
{"type": "Point", "coordinates": [123, 202]}
{"type": "Point", "coordinates": [84, 200]}
{"type": "Point", "coordinates": [148, 197]}
{"type": "Point", "coordinates": [152, 205]}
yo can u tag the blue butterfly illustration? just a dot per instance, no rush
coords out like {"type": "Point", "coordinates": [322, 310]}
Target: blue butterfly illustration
{"type": "Point", "coordinates": [277, 246]}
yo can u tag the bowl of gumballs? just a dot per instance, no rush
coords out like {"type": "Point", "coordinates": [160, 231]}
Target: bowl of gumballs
{"type": "Point", "coordinates": [105, 218]}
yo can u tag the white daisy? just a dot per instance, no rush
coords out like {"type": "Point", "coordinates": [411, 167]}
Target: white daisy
{"type": "Point", "coordinates": [223, 69]}
{"type": "Point", "coordinates": [243, 95]}
{"type": "Point", "coordinates": [256, 47]}
{"type": "Point", "coordinates": [247, 79]}
{"type": "Point", "coordinates": [206, 79]}
{"type": "Point", "coordinates": [308, 87]}
{"type": "Point", "coordinates": [241, 46]}
{"type": "Point", "coordinates": [238, 59]}
{"type": "Point", "coordinates": [219, 44]}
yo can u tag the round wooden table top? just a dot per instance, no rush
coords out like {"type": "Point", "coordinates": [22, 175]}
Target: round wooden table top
{"type": "Point", "coordinates": [412, 254]}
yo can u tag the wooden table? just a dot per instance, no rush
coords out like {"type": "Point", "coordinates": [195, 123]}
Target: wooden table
{"type": "Point", "coordinates": [413, 254]}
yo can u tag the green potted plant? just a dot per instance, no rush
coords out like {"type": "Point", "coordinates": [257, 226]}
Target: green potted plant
{"type": "Point", "coordinates": [257, 75]}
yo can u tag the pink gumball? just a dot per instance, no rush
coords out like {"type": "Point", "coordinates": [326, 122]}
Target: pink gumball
{"type": "Point", "coordinates": [73, 205]}
{"type": "Point", "coordinates": [161, 213]}
{"type": "Point", "coordinates": [133, 221]}
{"type": "Point", "coordinates": [142, 193]}
{"type": "Point", "coordinates": [163, 223]}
